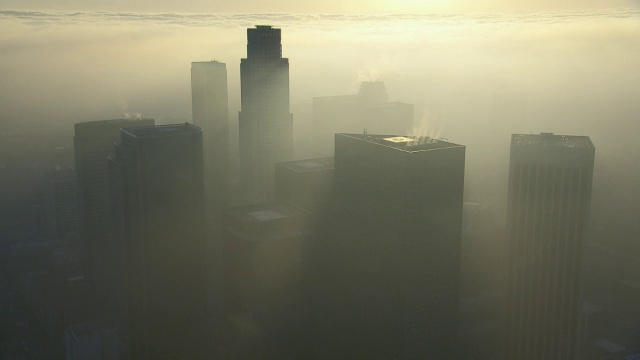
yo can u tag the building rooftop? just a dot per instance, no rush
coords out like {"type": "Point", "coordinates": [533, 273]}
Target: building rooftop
{"type": "Point", "coordinates": [208, 64]}
{"type": "Point", "coordinates": [410, 144]}
{"type": "Point", "coordinates": [551, 140]}
{"type": "Point", "coordinates": [265, 212]}
{"type": "Point", "coordinates": [162, 130]}
{"type": "Point", "coordinates": [266, 222]}
{"type": "Point", "coordinates": [91, 329]}
{"type": "Point", "coordinates": [309, 165]}
{"type": "Point", "coordinates": [93, 127]}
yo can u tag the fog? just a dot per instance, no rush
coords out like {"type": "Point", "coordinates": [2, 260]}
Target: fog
{"type": "Point", "coordinates": [473, 78]}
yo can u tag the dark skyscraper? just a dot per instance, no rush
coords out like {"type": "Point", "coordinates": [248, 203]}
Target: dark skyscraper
{"type": "Point", "coordinates": [209, 101]}
{"type": "Point", "coordinates": [94, 142]}
{"type": "Point", "coordinates": [266, 125]}
{"type": "Point", "coordinates": [265, 247]}
{"type": "Point", "coordinates": [550, 180]}
{"type": "Point", "coordinates": [393, 248]}
{"type": "Point", "coordinates": [157, 177]}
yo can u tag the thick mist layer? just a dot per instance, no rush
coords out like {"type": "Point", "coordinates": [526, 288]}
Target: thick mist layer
{"type": "Point", "coordinates": [474, 79]}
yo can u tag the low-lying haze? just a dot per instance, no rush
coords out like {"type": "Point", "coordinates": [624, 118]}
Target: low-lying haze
{"type": "Point", "coordinates": [475, 78]}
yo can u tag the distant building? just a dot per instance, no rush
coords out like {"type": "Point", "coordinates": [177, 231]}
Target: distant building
{"type": "Point", "coordinates": [307, 184]}
{"type": "Point", "coordinates": [98, 341]}
{"type": "Point", "coordinates": [209, 101]}
{"type": "Point", "coordinates": [65, 203]}
{"type": "Point", "coordinates": [370, 109]}
{"type": "Point", "coordinates": [265, 249]}
{"type": "Point", "coordinates": [550, 180]}
{"type": "Point", "coordinates": [158, 181]}
{"type": "Point", "coordinates": [265, 123]}
{"type": "Point", "coordinates": [392, 249]}
{"type": "Point", "coordinates": [94, 142]}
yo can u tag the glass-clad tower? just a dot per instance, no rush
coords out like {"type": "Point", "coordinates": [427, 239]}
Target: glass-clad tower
{"type": "Point", "coordinates": [266, 125]}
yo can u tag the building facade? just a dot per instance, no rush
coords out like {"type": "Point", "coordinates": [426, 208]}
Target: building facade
{"type": "Point", "coordinates": [392, 246]}
{"type": "Point", "coordinates": [209, 101]}
{"type": "Point", "coordinates": [266, 247]}
{"type": "Point", "coordinates": [549, 199]}
{"type": "Point", "coordinates": [265, 123]}
{"type": "Point", "coordinates": [158, 180]}
{"type": "Point", "coordinates": [93, 143]}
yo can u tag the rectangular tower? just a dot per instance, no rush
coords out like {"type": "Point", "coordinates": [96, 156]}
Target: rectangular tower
{"type": "Point", "coordinates": [393, 241]}
{"type": "Point", "coordinates": [265, 247]}
{"type": "Point", "coordinates": [548, 212]}
{"type": "Point", "coordinates": [157, 177]}
{"type": "Point", "coordinates": [93, 143]}
{"type": "Point", "coordinates": [209, 101]}
{"type": "Point", "coordinates": [265, 123]}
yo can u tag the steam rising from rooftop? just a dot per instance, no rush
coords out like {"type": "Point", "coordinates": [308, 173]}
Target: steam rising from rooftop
{"type": "Point", "coordinates": [425, 127]}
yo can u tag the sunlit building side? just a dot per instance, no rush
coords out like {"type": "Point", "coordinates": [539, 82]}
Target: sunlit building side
{"type": "Point", "coordinates": [209, 103]}
{"type": "Point", "coordinates": [549, 200]}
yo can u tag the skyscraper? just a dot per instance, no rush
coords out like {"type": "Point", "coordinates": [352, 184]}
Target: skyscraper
{"type": "Point", "coordinates": [157, 177]}
{"type": "Point", "coordinates": [393, 248]}
{"type": "Point", "coordinates": [93, 143]}
{"type": "Point", "coordinates": [209, 101]}
{"type": "Point", "coordinates": [548, 212]}
{"type": "Point", "coordinates": [265, 247]}
{"type": "Point", "coordinates": [265, 123]}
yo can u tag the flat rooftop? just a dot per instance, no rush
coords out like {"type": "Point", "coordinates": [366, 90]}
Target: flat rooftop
{"type": "Point", "coordinates": [310, 165]}
{"type": "Point", "coordinates": [551, 140]}
{"type": "Point", "coordinates": [265, 212]}
{"type": "Point", "coordinates": [266, 222]}
{"type": "Point", "coordinates": [162, 130]}
{"type": "Point", "coordinates": [208, 64]}
{"type": "Point", "coordinates": [404, 143]}
{"type": "Point", "coordinates": [91, 329]}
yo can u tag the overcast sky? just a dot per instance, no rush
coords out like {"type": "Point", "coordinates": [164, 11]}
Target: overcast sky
{"type": "Point", "coordinates": [325, 6]}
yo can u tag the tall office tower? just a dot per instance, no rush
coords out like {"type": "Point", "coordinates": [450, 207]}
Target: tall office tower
{"type": "Point", "coordinates": [548, 212]}
{"type": "Point", "coordinates": [209, 101]}
{"type": "Point", "coordinates": [369, 109]}
{"type": "Point", "coordinates": [158, 180]}
{"type": "Point", "coordinates": [393, 248]}
{"type": "Point", "coordinates": [93, 143]}
{"type": "Point", "coordinates": [266, 125]}
{"type": "Point", "coordinates": [265, 247]}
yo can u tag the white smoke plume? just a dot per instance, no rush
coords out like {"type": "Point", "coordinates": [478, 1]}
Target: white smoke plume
{"type": "Point", "coordinates": [377, 70]}
{"type": "Point", "coordinates": [426, 127]}
{"type": "Point", "coordinates": [124, 105]}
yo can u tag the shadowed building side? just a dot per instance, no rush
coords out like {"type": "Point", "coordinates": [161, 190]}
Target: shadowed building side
{"type": "Point", "coordinates": [392, 249]}
{"type": "Point", "coordinates": [158, 182]}
{"type": "Point", "coordinates": [93, 143]}
{"type": "Point", "coordinates": [265, 123]}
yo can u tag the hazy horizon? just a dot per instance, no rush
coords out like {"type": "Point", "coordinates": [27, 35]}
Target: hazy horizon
{"type": "Point", "coordinates": [474, 78]}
